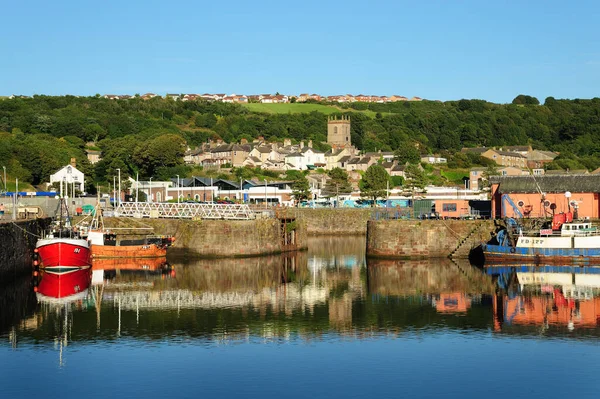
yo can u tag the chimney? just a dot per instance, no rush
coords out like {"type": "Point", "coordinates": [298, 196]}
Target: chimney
{"type": "Point", "coordinates": [302, 144]}
{"type": "Point", "coordinates": [74, 162]}
{"type": "Point", "coordinates": [243, 141]}
{"type": "Point", "coordinates": [309, 143]}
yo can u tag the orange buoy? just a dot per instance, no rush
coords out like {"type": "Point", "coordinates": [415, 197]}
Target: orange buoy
{"type": "Point", "coordinates": [35, 289]}
{"type": "Point", "coordinates": [35, 262]}
{"type": "Point", "coordinates": [36, 250]}
{"type": "Point", "coordinates": [35, 273]}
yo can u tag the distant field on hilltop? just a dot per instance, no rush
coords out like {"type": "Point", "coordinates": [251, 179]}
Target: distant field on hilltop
{"type": "Point", "coordinates": [299, 108]}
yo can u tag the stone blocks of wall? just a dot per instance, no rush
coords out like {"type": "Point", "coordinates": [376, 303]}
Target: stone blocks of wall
{"type": "Point", "coordinates": [328, 221]}
{"type": "Point", "coordinates": [218, 238]}
{"type": "Point", "coordinates": [17, 242]}
{"type": "Point", "coordinates": [418, 239]}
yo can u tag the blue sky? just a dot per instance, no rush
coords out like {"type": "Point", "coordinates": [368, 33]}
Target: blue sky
{"type": "Point", "coordinates": [452, 49]}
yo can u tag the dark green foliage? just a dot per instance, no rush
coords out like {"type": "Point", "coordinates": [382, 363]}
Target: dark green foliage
{"type": "Point", "coordinates": [525, 100]}
{"type": "Point", "coordinates": [337, 184]}
{"type": "Point", "coordinates": [407, 152]}
{"type": "Point", "coordinates": [374, 183]}
{"type": "Point", "coordinates": [300, 187]}
{"type": "Point", "coordinates": [45, 132]}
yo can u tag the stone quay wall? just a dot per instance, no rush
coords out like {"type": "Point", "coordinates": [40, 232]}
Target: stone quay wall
{"type": "Point", "coordinates": [17, 242]}
{"type": "Point", "coordinates": [331, 221]}
{"type": "Point", "coordinates": [418, 239]}
{"type": "Point", "coordinates": [216, 238]}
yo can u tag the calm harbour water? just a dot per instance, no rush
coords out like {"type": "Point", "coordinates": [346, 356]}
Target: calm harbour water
{"type": "Point", "coordinates": [320, 324]}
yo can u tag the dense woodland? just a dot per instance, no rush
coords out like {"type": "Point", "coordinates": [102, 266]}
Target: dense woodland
{"type": "Point", "coordinates": [40, 134]}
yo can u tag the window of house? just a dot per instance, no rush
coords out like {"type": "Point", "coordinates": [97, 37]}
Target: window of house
{"type": "Point", "coordinates": [346, 138]}
{"type": "Point", "coordinates": [335, 130]}
{"type": "Point", "coordinates": [504, 173]}
{"type": "Point", "coordinates": [449, 207]}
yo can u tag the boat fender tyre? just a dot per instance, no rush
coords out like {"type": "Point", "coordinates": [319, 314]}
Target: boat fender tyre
{"type": "Point", "coordinates": [512, 250]}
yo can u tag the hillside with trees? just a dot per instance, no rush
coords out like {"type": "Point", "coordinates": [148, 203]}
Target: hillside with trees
{"type": "Point", "coordinates": [149, 137]}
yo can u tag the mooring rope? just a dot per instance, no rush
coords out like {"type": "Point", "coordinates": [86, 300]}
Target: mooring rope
{"type": "Point", "coordinates": [33, 234]}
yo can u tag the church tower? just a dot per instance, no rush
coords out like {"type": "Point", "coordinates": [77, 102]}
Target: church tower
{"type": "Point", "coordinates": [338, 132]}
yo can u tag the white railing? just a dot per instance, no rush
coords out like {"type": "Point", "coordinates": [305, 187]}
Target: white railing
{"type": "Point", "coordinates": [184, 210]}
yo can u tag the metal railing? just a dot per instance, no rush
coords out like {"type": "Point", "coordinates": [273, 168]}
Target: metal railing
{"type": "Point", "coordinates": [185, 210]}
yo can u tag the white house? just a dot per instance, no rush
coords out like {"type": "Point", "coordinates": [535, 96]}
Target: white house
{"type": "Point", "coordinates": [69, 174]}
{"type": "Point", "coordinates": [307, 158]}
{"type": "Point", "coordinates": [433, 159]}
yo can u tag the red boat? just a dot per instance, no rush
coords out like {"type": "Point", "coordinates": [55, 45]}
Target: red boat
{"type": "Point", "coordinates": [66, 252]}
{"type": "Point", "coordinates": [63, 281]}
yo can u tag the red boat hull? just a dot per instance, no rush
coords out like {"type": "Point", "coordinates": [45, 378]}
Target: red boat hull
{"type": "Point", "coordinates": [63, 252]}
{"type": "Point", "coordinates": [63, 282]}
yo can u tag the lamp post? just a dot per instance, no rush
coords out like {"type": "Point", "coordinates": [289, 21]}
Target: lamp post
{"type": "Point", "coordinates": [114, 191]}
{"type": "Point", "coordinates": [137, 186]}
{"type": "Point", "coordinates": [177, 188]}
{"type": "Point", "coordinates": [5, 189]}
{"type": "Point", "coordinates": [119, 170]}
{"type": "Point", "coordinates": [150, 191]}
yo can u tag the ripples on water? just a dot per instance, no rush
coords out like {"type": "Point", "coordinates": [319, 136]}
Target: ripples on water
{"type": "Point", "coordinates": [325, 319]}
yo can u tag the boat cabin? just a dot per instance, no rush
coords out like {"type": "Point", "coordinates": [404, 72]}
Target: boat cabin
{"type": "Point", "coordinates": [577, 229]}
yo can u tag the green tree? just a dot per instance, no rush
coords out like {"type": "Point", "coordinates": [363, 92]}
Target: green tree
{"type": "Point", "coordinates": [407, 152]}
{"type": "Point", "coordinates": [301, 188]}
{"type": "Point", "coordinates": [163, 151]}
{"type": "Point", "coordinates": [523, 99]}
{"type": "Point", "coordinates": [374, 182]}
{"type": "Point", "coordinates": [490, 171]}
{"type": "Point", "coordinates": [416, 180]}
{"type": "Point", "coordinates": [337, 184]}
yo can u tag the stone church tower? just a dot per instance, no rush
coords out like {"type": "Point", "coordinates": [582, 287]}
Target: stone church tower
{"type": "Point", "coordinates": [338, 132]}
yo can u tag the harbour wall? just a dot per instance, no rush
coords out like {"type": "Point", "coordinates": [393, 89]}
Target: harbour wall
{"type": "Point", "coordinates": [219, 238]}
{"type": "Point", "coordinates": [17, 242]}
{"type": "Point", "coordinates": [333, 221]}
{"type": "Point", "coordinates": [418, 239]}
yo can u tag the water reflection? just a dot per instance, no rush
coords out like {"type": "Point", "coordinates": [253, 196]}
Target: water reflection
{"type": "Point", "coordinates": [547, 299]}
{"type": "Point", "coordinates": [327, 292]}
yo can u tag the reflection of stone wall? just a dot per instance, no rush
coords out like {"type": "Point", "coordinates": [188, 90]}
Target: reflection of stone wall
{"type": "Point", "coordinates": [404, 278]}
{"type": "Point", "coordinates": [17, 242]}
{"type": "Point", "coordinates": [340, 311]}
{"type": "Point", "coordinates": [413, 239]}
{"type": "Point", "coordinates": [330, 246]}
{"type": "Point", "coordinates": [17, 301]}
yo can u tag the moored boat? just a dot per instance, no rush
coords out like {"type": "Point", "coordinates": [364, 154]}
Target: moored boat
{"type": "Point", "coordinates": [104, 245]}
{"type": "Point", "coordinates": [62, 245]}
{"type": "Point", "coordinates": [564, 241]}
{"type": "Point", "coordinates": [58, 251]}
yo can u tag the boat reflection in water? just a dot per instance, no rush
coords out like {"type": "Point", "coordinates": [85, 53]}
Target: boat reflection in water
{"type": "Point", "coordinates": [546, 298]}
{"type": "Point", "coordinates": [62, 283]}
{"type": "Point", "coordinates": [108, 269]}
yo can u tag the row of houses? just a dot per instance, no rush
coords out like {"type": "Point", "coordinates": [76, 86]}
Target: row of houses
{"type": "Point", "coordinates": [517, 156]}
{"type": "Point", "coordinates": [286, 156]}
{"type": "Point", "coordinates": [270, 98]}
